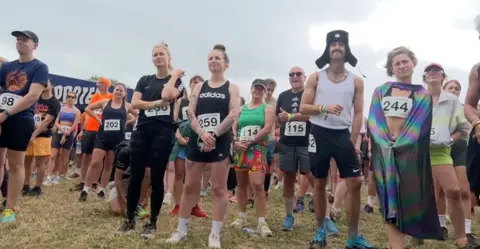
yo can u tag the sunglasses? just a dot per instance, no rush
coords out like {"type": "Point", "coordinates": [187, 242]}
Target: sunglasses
{"type": "Point", "coordinates": [71, 97]}
{"type": "Point", "coordinates": [298, 74]}
{"type": "Point", "coordinates": [433, 70]}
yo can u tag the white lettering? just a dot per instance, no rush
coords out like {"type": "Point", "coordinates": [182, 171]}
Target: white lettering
{"type": "Point", "coordinates": [212, 95]}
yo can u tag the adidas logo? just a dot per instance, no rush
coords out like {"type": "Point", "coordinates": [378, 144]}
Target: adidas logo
{"type": "Point", "coordinates": [212, 95]}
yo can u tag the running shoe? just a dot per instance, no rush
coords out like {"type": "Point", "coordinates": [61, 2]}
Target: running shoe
{"type": "Point", "coordinates": [176, 237]}
{"type": "Point", "coordinates": [320, 240]}
{"type": "Point", "coordinates": [141, 213]}
{"type": "Point", "coordinates": [299, 207]}
{"type": "Point", "coordinates": [35, 192]}
{"type": "Point", "coordinates": [175, 210]}
{"type": "Point", "coordinates": [359, 243]}
{"type": "Point", "coordinates": [127, 227]}
{"type": "Point", "coordinates": [25, 190]}
{"type": "Point", "coordinates": [167, 199]}
{"type": "Point", "coordinates": [83, 196]}
{"type": "Point", "coordinates": [101, 195]}
{"type": "Point", "coordinates": [214, 241]}
{"type": "Point", "coordinates": [311, 206]}
{"type": "Point", "coordinates": [198, 212]}
{"type": "Point", "coordinates": [288, 223]}
{"type": "Point", "coordinates": [239, 223]}
{"type": "Point", "coordinates": [330, 228]}
{"type": "Point", "coordinates": [8, 216]}
{"type": "Point", "coordinates": [264, 230]}
{"type": "Point", "coordinates": [149, 231]}
{"type": "Point", "coordinates": [368, 209]}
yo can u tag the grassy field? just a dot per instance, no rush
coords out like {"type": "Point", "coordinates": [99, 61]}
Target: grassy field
{"type": "Point", "coordinates": [58, 220]}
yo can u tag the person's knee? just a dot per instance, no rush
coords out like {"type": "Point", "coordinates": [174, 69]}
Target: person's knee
{"type": "Point", "coordinates": [464, 194]}
{"type": "Point", "coordinates": [219, 190]}
{"type": "Point", "coordinates": [453, 193]}
{"type": "Point", "coordinates": [354, 182]}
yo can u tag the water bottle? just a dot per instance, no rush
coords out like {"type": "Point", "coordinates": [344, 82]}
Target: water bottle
{"type": "Point", "coordinates": [250, 231]}
{"type": "Point", "coordinates": [79, 147]}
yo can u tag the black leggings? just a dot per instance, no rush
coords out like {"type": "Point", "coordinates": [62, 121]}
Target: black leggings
{"type": "Point", "coordinates": [232, 180]}
{"type": "Point", "coordinates": [150, 145]}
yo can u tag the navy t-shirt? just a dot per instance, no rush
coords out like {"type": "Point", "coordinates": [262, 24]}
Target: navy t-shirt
{"type": "Point", "coordinates": [15, 81]}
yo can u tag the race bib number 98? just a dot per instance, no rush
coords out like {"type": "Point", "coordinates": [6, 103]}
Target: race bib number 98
{"type": "Point", "coordinates": [7, 100]}
{"type": "Point", "coordinates": [396, 106]}
{"type": "Point", "coordinates": [209, 121]}
{"type": "Point", "coordinates": [158, 111]}
{"type": "Point", "coordinates": [112, 125]}
{"type": "Point", "coordinates": [248, 132]}
{"type": "Point", "coordinates": [296, 128]}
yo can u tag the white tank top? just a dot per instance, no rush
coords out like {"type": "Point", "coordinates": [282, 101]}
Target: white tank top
{"type": "Point", "coordinates": [329, 93]}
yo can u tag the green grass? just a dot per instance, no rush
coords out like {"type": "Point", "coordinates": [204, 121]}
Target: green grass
{"type": "Point", "coordinates": [57, 220]}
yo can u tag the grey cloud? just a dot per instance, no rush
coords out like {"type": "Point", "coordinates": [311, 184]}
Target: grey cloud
{"type": "Point", "coordinates": [114, 38]}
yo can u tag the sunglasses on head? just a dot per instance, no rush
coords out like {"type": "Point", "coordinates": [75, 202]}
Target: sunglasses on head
{"type": "Point", "coordinates": [292, 74]}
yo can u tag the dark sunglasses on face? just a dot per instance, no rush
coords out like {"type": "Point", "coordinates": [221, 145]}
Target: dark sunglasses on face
{"type": "Point", "coordinates": [433, 70]}
{"type": "Point", "coordinates": [298, 74]}
{"type": "Point", "coordinates": [71, 97]}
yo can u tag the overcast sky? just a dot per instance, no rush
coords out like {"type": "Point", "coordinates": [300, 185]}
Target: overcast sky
{"type": "Point", "coordinates": [263, 38]}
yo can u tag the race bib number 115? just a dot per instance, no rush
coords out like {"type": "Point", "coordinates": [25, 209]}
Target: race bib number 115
{"type": "Point", "coordinates": [296, 128]}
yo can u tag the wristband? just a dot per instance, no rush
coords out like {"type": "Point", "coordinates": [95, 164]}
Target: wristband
{"type": "Point", "coordinates": [324, 108]}
{"type": "Point", "coordinates": [475, 123]}
{"type": "Point", "coordinates": [289, 117]}
{"type": "Point", "coordinates": [293, 116]}
{"type": "Point", "coordinates": [320, 109]}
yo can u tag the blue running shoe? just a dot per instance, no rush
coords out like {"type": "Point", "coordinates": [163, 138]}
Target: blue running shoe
{"type": "Point", "coordinates": [288, 223]}
{"type": "Point", "coordinates": [359, 243]}
{"type": "Point", "coordinates": [299, 207]}
{"type": "Point", "coordinates": [320, 240]}
{"type": "Point", "coordinates": [330, 228]}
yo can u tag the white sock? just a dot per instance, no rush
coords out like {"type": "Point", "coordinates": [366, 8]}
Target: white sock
{"type": "Point", "coordinates": [243, 216]}
{"type": "Point", "coordinates": [78, 171]}
{"type": "Point", "coordinates": [183, 225]}
{"type": "Point", "coordinates": [85, 188]}
{"type": "Point", "coordinates": [261, 220]}
{"type": "Point", "coordinates": [216, 226]}
{"type": "Point", "coordinates": [468, 226]}
{"type": "Point", "coordinates": [371, 200]}
{"type": "Point", "coordinates": [443, 222]}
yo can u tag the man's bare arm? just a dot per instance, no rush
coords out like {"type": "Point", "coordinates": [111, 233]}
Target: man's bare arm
{"type": "Point", "coordinates": [473, 95]}
{"type": "Point", "coordinates": [306, 105]}
{"type": "Point", "coordinates": [357, 108]}
{"type": "Point", "coordinates": [234, 108]}
{"type": "Point", "coordinates": [192, 108]}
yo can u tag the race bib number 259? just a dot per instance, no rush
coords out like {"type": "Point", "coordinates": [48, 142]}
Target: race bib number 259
{"type": "Point", "coordinates": [209, 121]}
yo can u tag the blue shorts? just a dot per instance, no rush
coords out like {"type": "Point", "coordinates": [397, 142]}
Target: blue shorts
{"type": "Point", "coordinates": [182, 153]}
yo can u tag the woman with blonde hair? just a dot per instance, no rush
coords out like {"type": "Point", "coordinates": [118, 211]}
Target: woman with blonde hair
{"type": "Point", "coordinates": [152, 141]}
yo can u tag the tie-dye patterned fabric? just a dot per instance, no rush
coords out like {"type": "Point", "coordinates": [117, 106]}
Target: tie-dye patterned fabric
{"type": "Point", "coordinates": [402, 167]}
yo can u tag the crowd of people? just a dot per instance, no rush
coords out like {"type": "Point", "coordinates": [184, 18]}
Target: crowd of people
{"type": "Point", "coordinates": [416, 150]}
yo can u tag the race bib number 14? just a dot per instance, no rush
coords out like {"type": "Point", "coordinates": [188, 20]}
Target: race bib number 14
{"type": "Point", "coordinates": [209, 121]}
{"type": "Point", "coordinates": [7, 100]}
{"type": "Point", "coordinates": [248, 132]}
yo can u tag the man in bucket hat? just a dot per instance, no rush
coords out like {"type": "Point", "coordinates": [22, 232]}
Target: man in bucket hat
{"type": "Point", "coordinates": [330, 96]}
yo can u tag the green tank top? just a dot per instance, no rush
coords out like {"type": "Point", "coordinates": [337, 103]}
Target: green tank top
{"type": "Point", "coordinates": [250, 122]}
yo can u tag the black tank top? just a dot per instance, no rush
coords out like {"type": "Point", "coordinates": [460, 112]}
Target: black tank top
{"type": "Point", "coordinates": [212, 105]}
{"type": "Point", "coordinates": [113, 120]}
{"type": "Point", "coordinates": [182, 111]}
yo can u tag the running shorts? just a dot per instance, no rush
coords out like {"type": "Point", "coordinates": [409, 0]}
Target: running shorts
{"type": "Point", "coordinates": [294, 159]}
{"type": "Point", "coordinates": [252, 160]}
{"type": "Point", "coordinates": [223, 149]}
{"type": "Point", "coordinates": [16, 133]}
{"type": "Point", "coordinates": [325, 144]}
{"type": "Point", "coordinates": [40, 146]}
{"type": "Point", "coordinates": [57, 139]}
{"type": "Point", "coordinates": [459, 153]}
{"type": "Point", "coordinates": [88, 141]}
{"type": "Point", "coordinates": [440, 156]}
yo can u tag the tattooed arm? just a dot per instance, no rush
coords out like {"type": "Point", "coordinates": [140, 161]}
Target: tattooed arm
{"type": "Point", "coordinates": [192, 108]}
{"type": "Point", "coordinates": [234, 107]}
{"type": "Point", "coordinates": [306, 105]}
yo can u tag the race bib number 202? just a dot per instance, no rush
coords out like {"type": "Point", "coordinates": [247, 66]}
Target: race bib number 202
{"type": "Point", "coordinates": [112, 125]}
{"type": "Point", "coordinates": [7, 100]}
{"type": "Point", "coordinates": [209, 121]}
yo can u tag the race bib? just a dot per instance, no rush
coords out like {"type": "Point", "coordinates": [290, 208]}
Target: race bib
{"type": "Point", "coordinates": [63, 128]}
{"type": "Point", "coordinates": [111, 125]}
{"type": "Point", "coordinates": [248, 132]}
{"type": "Point", "coordinates": [158, 111]}
{"type": "Point", "coordinates": [312, 146]}
{"type": "Point", "coordinates": [128, 135]}
{"type": "Point", "coordinates": [184, 112]}
{"type": "Point", "coordinates": [209, 121]}
{"type": "Point", "coordinates": [7, 100]}
{"type": "Point", "coordinates": [396, 106]}
{"type": "Point", "coordinates": [37, 118]}
{"type": "Point", "coordinates": [296, 128]}
{"type": "Point", "coordinates": [433, 134]}
{"type": "Point", "coordinates": [99, 112]}
{"type": "Point", "coordinates": [135, 125]}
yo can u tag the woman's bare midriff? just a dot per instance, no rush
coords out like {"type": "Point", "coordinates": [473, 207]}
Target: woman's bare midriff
{"type": "Point", "coordinates": [396, 124]}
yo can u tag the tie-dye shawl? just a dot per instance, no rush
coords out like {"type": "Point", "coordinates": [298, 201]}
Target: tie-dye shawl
{"type": "Point", "coordinates": [402, 168]}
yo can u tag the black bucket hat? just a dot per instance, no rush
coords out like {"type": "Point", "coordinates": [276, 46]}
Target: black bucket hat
{"type": "Point", "coordinates": [336, 36]}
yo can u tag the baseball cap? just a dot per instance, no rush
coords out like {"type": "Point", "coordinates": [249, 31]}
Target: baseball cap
{"type": "Point", "coordinates": [431, 65]}
{"type": "Point", "coordinates": [105, 81]}
{"type": "Point", "coordinates": [260, 82]}
{"type": "Point", "coordinates": [26, 33]}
